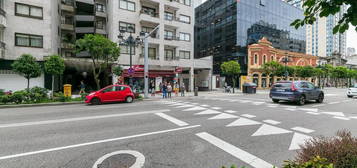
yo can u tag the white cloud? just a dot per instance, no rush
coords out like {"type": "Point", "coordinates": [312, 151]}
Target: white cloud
{"type": "Point", "coordinates": [352, 37]}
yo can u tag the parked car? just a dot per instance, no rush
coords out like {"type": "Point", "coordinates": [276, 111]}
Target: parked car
{"type": "Point", "coordinates": [112, 93]}
{"type": "Point", "coordinates": [296, 91]}
{"type": "Point", "coordinates": [352, 91]}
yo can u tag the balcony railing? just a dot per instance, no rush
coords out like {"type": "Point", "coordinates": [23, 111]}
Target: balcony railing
{"type": "Point", "coordinates": [147, 12]}
{"type": "Point", "coordinates": [2, 45]}
{"type": "Point", "coordinates": [156, 57]}
{"type": "Point", "coordinates": [68, 2]}
{"type": "Point", "coordinates": [168, 37]}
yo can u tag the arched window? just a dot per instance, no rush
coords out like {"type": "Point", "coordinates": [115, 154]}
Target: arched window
{"type": "Point", "coordinates": [272, 58]}
{"type": "Point", "coordinates": [264, 59]}
{"type": "Point", "coordinates": [255, 58]}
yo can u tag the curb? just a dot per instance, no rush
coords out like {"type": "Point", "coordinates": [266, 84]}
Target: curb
{"type": "Point", "coordinates": [40, 104]}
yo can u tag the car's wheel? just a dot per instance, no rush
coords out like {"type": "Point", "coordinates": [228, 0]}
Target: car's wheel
{"type": "Point", "coordinates": [95, 101]}
{"type": "Point", "coordinates": [302, 100]}
{"type": "Point", "coordinates": [129, 99]}
{"type": "Point", "coordinates": [320, 98]}
{"type": "Point", "coordinates": [349, 96]}
{"type": "Point", "coordinates": [276, 100]}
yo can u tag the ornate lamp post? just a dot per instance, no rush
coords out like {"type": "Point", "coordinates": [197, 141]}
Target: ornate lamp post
{"type": "Point", "coordinates": [286, 60]}
{"type": "Point", "coordinates": [130, 41]}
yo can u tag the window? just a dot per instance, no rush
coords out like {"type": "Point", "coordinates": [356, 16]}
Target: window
{"type": "Point", "coordinates": [169, 54]}
{"type": "Point", "coordinates": [109, 89]}
{"type": "Point", "coordinates": [255, 58]}
{"type": "Point", "coordinates": [127, 5]}
{"type": "Point", "coordinates": [185, 19]}
{"type": "Point", "coordinates": [185, 37]}
{"type": "Point", "coordinates": [146, 29]}
{"type": "Point", "coordinates": [264, 59]}
{"type": "Point", "coordinates": [100, 24]}
{"type": "Point", "coordinates": [120, 88]}
{"type": "Point", "coordinates": [152, 53]}
{"type": "Point", "coordinates": [149, 11]}
{"type": "Point", "coordinates": [185, 55]}
{"type": "Point", "coordinates": [169, 35]}
{"type": "Point", "coordinates": [28, 40]}
{"type": "Point", "coordinates": [169, 16]}
{"type": "Point", "coordinates": [127, 27]}
{"type": "Point", "coordinates": [272, 58]}
{"type": "Point", "coordinates": [125, 49]}
{"type": "Point", "coordinates": [187, 2]}
{"type": "Point", "coordinates": [100, 7]}
{"type": "Point", "coordinates": [28, 11]}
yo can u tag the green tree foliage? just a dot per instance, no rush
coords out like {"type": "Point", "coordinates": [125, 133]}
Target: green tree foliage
{"type": "Point", "coordinates": [232, 69]}
{"type": "Point", "coordinates": [54, 65]}
{"type": "Point", "coordinates": [272, 68]}
{"type": "Point", "coordinates": [27, 66]}
{"type": "Point", "coordinates": [117, 70]}
{"type": "Point", "coordinates": [103, 52]}
{"type": "Point", "coordinates": [324, 8]}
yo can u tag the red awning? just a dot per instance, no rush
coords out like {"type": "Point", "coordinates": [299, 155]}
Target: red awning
{"type": "Point", "coordinates": [152, 74]}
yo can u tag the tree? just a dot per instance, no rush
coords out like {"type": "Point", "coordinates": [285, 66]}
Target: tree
{"type": "Point", "coordinates": [103, 52]}
{"type": "Point", "coordinates": [54, 65]}
{"type": "Point", "coordinates": [319, 74]}
{"type": "Point", "coordinates": [307, 72]}
{"type": "Point", "coordinates": [117, 70]}
{"type": "Point", "coordinates": [27, 66]}
{"type": "Point", "coordinates": [232, 69]}
{"type": "Point", "coordinates": [324, 8]}
{"type": "Point", "coordinates": [272, 68]}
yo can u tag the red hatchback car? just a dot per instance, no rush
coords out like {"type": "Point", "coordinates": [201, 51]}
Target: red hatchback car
{"type": "Point", "coordinates": [112, 93]}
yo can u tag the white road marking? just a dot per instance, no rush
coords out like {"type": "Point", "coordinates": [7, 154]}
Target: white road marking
{"type": "Point", "coordinates": [270, 130]}
{"type": "Point", "coordinates": [345, 101]}
{"type": "Point", "coordinates": [313, 113]}
{"type": "Point", "coordinates": [248, 115]}
{"type": "Point", "coordinates": [197, 108]}
{"type": "Point", "coordinates": [330, 94]}
{"type": "Point", "coordinates": [334, 103]}
{"type": "Point", "coordinates": [341, 118]}
{"type": "Point", "coordinates": [172, 119]}
{"type": "Point", "coordinates": [243, 122]}
{"type": "Point", "coordinates": [294, 107]}
{"type": "Point", "coordinates": [96, 142]}
{"type": "Point", "coordinates": [235, 151]}
{"type": "Point", "coordinates": [340, 114]}
{"type": "Point", "coordinates": [302, 129]}
{"type": "Point", "coordinates": [78, 119]}
{"type": "Point", "coordinates": [216, 108]}
{"type": "Point", "coordinates": [208, 112]}
{"type": "Point", "coordinates": [273, 122]}
{"type": "Point", "coordinates": [185, 106]}
{"type": "Point", "coordinates": [194, 103]}
{"type": "Point", "coordinates": [319, 105]}
{"type": "Point", "coordinates": [230, 111]}
{"type": "Point", "coordinates": [205, 105]}
{"type": "Point", "coordinates": [309, 109]}
{"type": "Point", "coordinates": [139, 163]}
{"type": "Point", "coordinates": [258, 103]}
{"type": "Point", "coordinates": [354, 117]}
{"type": "Point", "coordinates": [223, 116]}
{"type": "Point", "coordinates": [290, 109]}
{"type": "Point", "coordinates": [298, 139]}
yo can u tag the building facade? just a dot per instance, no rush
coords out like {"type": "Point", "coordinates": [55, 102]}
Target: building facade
{"type": "Point", "coordinates": [263, 52]}
{"type": "Point", "coordinates": [351, 51]}
{"type": "Point", "coordinates": [225, 29]}
{"type": "Point", "coordinates": [54, 26]}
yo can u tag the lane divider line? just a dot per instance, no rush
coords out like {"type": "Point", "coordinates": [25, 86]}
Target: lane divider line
{"type": "Point", "coordinates": [95, 142]}
{"type": "Point", "coordinates": [172, 119]}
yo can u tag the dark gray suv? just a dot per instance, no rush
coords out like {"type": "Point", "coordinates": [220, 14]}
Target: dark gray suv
{"type": "Point", "coordinates": [296, 91]}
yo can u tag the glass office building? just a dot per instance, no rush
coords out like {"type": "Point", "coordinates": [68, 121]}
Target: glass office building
{"type": "Point", "coordinates": [224, 28]}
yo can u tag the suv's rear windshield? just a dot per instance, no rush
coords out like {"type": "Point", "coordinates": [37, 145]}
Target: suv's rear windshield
{"type": "Point", "coordinates": [282, 85]}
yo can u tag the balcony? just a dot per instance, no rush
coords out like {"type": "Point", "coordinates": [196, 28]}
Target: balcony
{"type": "Point", "coordinates": [101, 14]}
{"type": "Point", "coordinates": [67, 5]}
{"type": "Point", "coordinates": [2, 21]}
{"type": "Point", "coordinates": [85, 18]}
{"type": "Point", "coordinates": [2, 49]}
{"type": "Point", "coordinates": [149, 17]}
{"type": "Point", "coordinates": [100, 31]}
{"type": "Point", "coordinates": [68, 27]}
{"type": "Point", "coordinates": [65, 45]}
{"type": "Point", "coordinates": [85, 30]}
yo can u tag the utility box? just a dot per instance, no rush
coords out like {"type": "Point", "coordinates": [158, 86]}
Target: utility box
{"type": "Point", "coordinates": [67, 90]}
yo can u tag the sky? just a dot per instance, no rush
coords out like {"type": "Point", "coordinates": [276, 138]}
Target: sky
{"type": "Point", "coordinates": [351, 36]}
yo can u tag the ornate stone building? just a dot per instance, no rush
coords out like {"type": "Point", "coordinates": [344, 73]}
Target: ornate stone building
{"type": "Point", "coordinates": [264, 52]}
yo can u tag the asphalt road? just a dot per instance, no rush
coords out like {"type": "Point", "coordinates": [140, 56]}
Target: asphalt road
{"type": "Point", "coordinates": [210, 131]}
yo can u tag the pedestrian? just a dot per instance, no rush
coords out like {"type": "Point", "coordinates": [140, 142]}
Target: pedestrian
{"type": "Point", "coordinates": [182, 90]}
{"type": "Point", "coordinates": [176, 89]}
{"type": "Point", "coordinates": [82, 88]}
{"type": "Point", "coordinates": [164, 91]}
{"type": "Point", "coordinates": [152, 88]}
{"type": "Point", "coordinates": [169, 90]}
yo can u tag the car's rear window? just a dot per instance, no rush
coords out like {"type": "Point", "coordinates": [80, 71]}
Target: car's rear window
{"type": "Point", "coordinates": [282, 85]}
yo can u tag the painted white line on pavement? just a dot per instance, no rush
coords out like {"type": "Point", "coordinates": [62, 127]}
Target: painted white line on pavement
{"type": "Point", "coordinates": [334, 102]}
{"type": "Point", "coordinates": [309, 109]}
{"type": "Point", "coordinates": [341, 118]}
{"type": "Point", "coordinates": [139, 163]}
{"type": "Point", "coordinates": [235, 151]}
{"type": "Point", "coordinates": [205, 105]}
{"type": "Point", "coordinates": [273, 122]}
{"type": "Point", "coordinates": [216, 108]}
{"type": "Point", "coordinates": [248, 115]}
{"type": "Point", "coordinates": [302, 129]}
{"type": "Point", "coordinates": [313, 113]}
{"type": "Point", "coordinates": [78, 119]}
{"type": "Point", "coordinates": [230, 111]}
{"type": "Point", "coordinates": [96, 142]}
{"type": "Point", "coordinates": [319, 105]}
{"type": "Point", "coordinates": [172, 119]}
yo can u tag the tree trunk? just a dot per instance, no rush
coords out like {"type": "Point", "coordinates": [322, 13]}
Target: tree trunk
{"type": "Point", "coordinates": [53, 85]}
{"type": "Point", "coordinates": [234, 83]}
{"type": "Point", "coordinates": [28, 84]}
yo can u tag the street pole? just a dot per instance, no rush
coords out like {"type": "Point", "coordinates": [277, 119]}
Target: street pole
{"type": "Point", "coordinates": [131, 63]}
{"type": "Point", "coordinates": [146, 67]}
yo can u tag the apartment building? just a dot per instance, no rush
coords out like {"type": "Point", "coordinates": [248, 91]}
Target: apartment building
{"type": "Point", "coordinates": [25, 27]}
{"type": "Point", "coordinates": [42, 28]}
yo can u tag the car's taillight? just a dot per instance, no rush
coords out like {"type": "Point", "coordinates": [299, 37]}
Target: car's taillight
{"type": "Point", "coordinates": [293, 88]}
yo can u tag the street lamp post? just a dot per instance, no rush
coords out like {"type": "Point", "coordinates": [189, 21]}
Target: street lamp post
{"type": "Point", "coordinates": [286, 60]}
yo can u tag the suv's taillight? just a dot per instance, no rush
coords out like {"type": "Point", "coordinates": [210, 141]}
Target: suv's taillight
{"type": "Point", "coordinates": [293, 88]}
